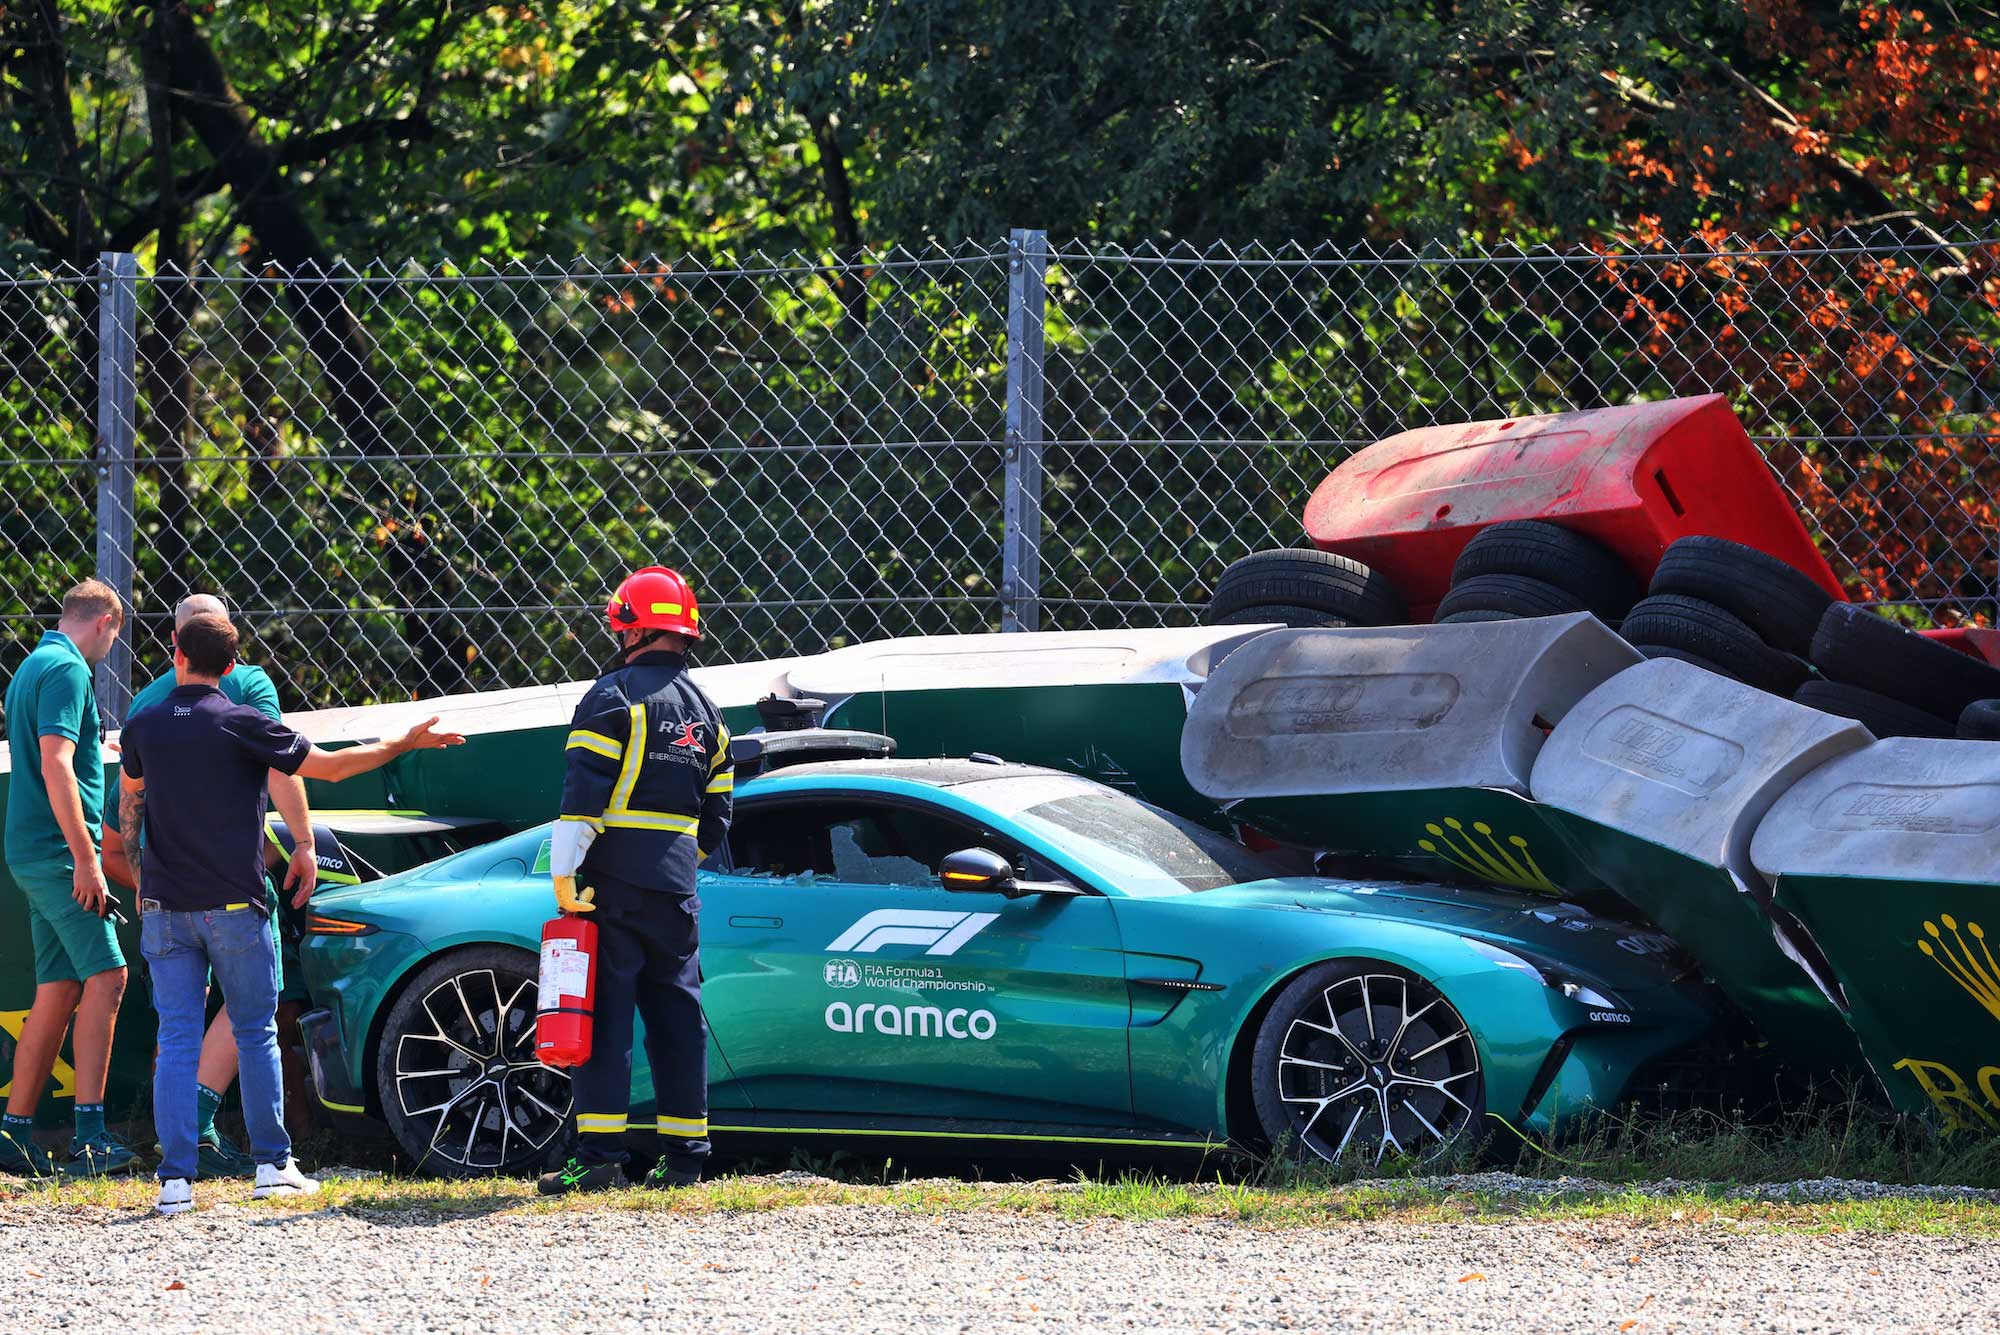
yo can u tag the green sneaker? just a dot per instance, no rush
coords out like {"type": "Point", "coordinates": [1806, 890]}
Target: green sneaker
{"type": "Point", "coordinates": [103, 1156]}
{"type": "Point", "coordinates": [219, 1158]}
{"type": "Point", "coordinates": [574, 1176]}
{"type": "Point", "coordinates": [24, 1158]}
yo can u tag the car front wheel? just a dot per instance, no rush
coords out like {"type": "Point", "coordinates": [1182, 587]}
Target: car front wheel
{"type": "Point", "coordinates": [456, 1069]}
{"type": "Point", "coordinates": [1358, 1061]}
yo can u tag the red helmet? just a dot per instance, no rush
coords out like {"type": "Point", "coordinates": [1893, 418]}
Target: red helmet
{"type": "Point", "coordinates": [655, 598]}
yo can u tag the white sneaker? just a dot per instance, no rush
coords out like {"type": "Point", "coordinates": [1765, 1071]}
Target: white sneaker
{"type": "Point", "coordinates": [176, 1196]}
{"type": "Point", "coordinates": [273, 1180]}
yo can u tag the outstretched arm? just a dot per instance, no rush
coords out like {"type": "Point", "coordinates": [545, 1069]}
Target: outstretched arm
{"type": "Point", "coordinates": [333, 766]}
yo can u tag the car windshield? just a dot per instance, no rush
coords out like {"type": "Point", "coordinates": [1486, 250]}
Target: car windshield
{"type": "Point", "coordinates": [1142, 850]}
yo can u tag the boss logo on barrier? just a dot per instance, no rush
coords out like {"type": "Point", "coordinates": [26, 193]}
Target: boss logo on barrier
{"type": "Point", "coordinates": [943, 932]}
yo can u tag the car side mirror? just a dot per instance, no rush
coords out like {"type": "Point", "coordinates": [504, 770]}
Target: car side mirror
{"type": "Point", "coordinates": [977, 869]}
{"type": "Point", "coordinates": [981, 869]}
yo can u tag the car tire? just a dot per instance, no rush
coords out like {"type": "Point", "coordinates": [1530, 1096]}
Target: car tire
{"type": "Point", "coordinates": [1267, 613]}
{"type": "Point", "coordinates": [1877, 713]}
{"type": "Point", "coordinates": [1855, 646]}
{"type": "Point", "coordinates": [1424, 1099]}
{"type": "Point", "coordinates": [1672, 621]}
{"type": "Point", "coordinates": [1778, 601]}
{"type": "Point", "coordinates": [1303, 577]}
{"type": "Point", "coordinates": [1509, 595]}
{"type": "Point", "coordinates": [1980, 721]}
{"type": "Point", "coordinates": [1582, 567]}
{"type": "Point", "coordinates": [1683, 656]}
{"type": "Point", "coordinates": [1473, 616]}
{"type": "Point", "coordinates": [453, 1116]}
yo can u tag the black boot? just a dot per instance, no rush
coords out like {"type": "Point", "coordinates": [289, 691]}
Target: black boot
{"type": "Point", "coordinates": [665, 1176]}
{"type": "Point", "coordinates": [576, 1176]}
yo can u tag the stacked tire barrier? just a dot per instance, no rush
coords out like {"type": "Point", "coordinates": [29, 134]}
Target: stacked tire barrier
{"type": "Point", "coordinates": [1302, 587]}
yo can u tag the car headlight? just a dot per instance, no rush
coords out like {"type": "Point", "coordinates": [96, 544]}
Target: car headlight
{"type": "Point", "coordinates": [1552, 974]}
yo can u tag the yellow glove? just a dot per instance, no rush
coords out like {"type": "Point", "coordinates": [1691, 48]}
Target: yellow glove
{"type": "Point", "coordinates": [569, 901]}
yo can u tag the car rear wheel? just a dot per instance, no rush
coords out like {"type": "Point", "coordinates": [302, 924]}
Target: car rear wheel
{"type": "Point", "coordinates": [1358, 1060]}
{"type": "Point", "coordinates": [456, 1069]}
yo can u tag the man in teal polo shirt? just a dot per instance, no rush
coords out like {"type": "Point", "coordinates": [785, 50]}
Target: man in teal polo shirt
{"type": "Point", "coordinates": [243, 684]}
{"type": "Point", "coordinates": [55, 805]}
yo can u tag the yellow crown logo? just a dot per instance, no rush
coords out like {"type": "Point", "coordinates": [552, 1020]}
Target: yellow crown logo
{"type": "Point", "coordinates": [1977, 973]}
{"type": "Point", "coordinates": [1505, 864]}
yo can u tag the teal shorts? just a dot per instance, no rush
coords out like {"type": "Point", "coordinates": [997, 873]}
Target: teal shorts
{"type": "Point", "coordinates": [71, 943]}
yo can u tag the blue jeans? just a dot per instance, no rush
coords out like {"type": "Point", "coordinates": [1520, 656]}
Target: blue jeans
{"type": "Point", "coordinates": [181, 948]}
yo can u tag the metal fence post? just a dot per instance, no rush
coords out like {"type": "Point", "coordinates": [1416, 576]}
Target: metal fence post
{"type": "Point", "coordinates": [1021, 545]}
{"type": "Point", "coordinates": [117, 422]}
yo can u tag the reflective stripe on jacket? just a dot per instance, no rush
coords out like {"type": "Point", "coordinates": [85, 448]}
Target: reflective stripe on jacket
{"type": "Point", "coordinates": [648, 766]}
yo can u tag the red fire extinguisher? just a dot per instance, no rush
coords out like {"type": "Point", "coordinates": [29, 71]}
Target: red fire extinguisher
{"type": "Point", "coordinates": [567, 992]}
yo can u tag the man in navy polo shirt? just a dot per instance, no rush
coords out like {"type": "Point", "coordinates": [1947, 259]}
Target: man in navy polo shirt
{"type": "Point", "coordinates": [196, 774]}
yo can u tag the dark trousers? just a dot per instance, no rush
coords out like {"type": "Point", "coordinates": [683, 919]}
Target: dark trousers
{"type": "Point", "coordinates": [648, 962]}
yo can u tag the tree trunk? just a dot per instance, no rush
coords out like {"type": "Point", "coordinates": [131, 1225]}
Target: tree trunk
{"type": "Point", "coordinates": [169, 377]}
{"type": "Point", "coordinates": [211, 108]}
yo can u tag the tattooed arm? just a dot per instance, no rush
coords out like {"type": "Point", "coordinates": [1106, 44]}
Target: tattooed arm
{"type": "Point", "coordinates": [131, 818]}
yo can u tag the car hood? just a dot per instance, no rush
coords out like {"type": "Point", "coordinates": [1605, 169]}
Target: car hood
{"type": "Point", "coordinates": [1544, 928]}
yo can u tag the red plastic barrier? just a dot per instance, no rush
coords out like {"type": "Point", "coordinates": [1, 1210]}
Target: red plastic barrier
{"type": "Point", "coordinates": [1633, 478]}
{"type": "Point", "coordinates": [1978, 641]}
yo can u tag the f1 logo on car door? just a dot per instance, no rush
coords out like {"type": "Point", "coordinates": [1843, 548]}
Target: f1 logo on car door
{"type": "Point", "coordinates": [943, 932]}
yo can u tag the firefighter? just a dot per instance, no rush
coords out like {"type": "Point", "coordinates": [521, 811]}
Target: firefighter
{"type": "Point", "coordinates": [646, 795]}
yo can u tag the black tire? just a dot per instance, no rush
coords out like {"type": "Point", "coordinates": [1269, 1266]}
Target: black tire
{"type": "Point", "coordinates": [1877, 713]}
{"type": "Point", "coordinates": [1322, 1095]}
{"type": "Point", "coordinates": [1671, 621]}
{"type": "Point", "coordinates": [1856, 646]}
{"type": "Point", "coordinates": [1511, 595]}
{"type": "Point", "coordinates": [1683, 656]}
{"type": "Point", "coordinates": [1583, 567]}
{"type": "Point", "coordinates": [1302, 577]}
{"type": "Point", "coordinates": [437, 1100]}
{"type": "Point", "coordinates": [1980, 721]}
{"type": "Point", "coordinates": [1781, 603]}
{"type": "Point", "coordinates": [1263, 614]}
{"type": "Point", "coordinates": [1474, 615]}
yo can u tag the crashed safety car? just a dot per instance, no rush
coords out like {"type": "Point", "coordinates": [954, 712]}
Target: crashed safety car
{"type": "Point", "coordinates": [971, 951]}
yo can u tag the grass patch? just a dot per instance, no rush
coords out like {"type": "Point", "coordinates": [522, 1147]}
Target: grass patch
{"type": "Point", "coordinates": [1808, 1169]}
{"type": "Point", "coordinates": [1840, 1138]}
{"type": "Point", "coordinates": [1485, 1199]}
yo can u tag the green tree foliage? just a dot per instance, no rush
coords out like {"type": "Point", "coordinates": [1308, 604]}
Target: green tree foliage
{"type": "Point", "coordinates": [383, 425]}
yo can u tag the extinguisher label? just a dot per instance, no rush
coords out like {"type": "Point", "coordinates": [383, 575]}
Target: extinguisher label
{"type": "Point", "coordinates": [565, 972]}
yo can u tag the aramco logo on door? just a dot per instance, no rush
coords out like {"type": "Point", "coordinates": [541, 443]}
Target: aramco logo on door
{"type": "Point", "coordinates": [1966, 959]}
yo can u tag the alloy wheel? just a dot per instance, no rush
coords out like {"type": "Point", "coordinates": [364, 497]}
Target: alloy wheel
{"type": "Point", "coordinates": [1382, 1064]}
{"type": "Point", "coordinates": [465, 1071]}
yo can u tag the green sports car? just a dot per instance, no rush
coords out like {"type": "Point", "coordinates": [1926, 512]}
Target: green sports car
{"type": "Point", "coordinates": [1101, 977]}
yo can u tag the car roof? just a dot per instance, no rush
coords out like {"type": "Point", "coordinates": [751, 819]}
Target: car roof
{"type": "Point", "coordinates": [948, 772]}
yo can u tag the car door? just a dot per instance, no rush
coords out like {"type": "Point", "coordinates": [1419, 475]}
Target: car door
{"type": "Point", "coordinates": [845, 979]}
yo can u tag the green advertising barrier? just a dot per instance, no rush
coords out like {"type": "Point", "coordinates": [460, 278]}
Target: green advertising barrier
{"type": "Point", "coordinates": [1108, 705]}
{"type": "Point", "coordinates": [1890, 858]}
{"type": "Point", "coordinates": [1658, 778]}
{"type": "Point", "coordinates": [1407, 745]}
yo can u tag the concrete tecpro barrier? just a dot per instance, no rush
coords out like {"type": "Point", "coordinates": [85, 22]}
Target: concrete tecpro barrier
{"type": "Point", "coordinates": [1658, 779]}
{"type": "Point", "coordinates": [1412, 744]}
{"type": "Point", "coordinates": [1889, 856]}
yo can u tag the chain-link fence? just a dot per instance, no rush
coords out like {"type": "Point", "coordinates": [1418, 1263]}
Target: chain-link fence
{"type": "Point", "coordinates": [418, 480]}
